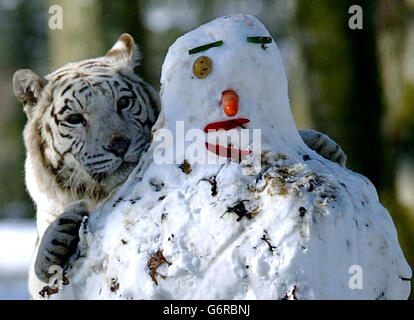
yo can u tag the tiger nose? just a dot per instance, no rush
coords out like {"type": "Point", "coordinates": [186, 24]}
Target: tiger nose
{"type": "Point", "coordinates": [119, 146]}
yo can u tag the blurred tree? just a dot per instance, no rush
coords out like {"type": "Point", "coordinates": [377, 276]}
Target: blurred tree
{"type": "Point", "coordinates": [23, 40]}
{"type": "Point", "coordinates": [118, 17]}
{"type": "Point", "coordinates": [80, 37]}
{"type": "Point", "coordinates": [395, 23]}
{"type": "Point", "coordinates": [344, 81]}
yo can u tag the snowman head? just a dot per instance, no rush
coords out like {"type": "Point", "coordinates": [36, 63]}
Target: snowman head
{"type": "Point", "coordinates": [228, 74]}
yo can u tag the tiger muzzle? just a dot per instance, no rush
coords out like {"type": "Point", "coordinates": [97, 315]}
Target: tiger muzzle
{"type": "Point", "coordinates": [119, 146]}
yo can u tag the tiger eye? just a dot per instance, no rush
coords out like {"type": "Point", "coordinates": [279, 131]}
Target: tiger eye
{"type": "Point", "coordinates": [202, 67]}
{"type": "Point", "coordinates": [75, 118]}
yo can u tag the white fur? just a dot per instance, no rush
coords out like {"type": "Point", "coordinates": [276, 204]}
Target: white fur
{"type": "Point", "coordinates": [60, 174]}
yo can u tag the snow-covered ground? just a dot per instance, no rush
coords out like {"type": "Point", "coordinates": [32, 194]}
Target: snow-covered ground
{"type": "Point", "coordinates": [17, 240]}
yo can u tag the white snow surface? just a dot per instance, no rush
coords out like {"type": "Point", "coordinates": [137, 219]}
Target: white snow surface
{"type": "Point", "coordinates": [290, 229]}
{"type": "Point", "coordinates": [17, 242]}
{"type": "Point", "coordinates": [17, 238]}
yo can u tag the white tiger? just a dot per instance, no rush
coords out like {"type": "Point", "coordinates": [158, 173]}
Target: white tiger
{"type": "Point", "coordinates": [88, 123]}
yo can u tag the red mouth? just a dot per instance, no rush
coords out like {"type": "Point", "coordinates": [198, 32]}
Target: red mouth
{"type": "Point", "coordinates": [226, 125]}
{"type": "Point", "coordinates": [227, 152]}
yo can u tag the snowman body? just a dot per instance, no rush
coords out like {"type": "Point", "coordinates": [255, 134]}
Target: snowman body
{"type": "Point", "coordinates": [280, 223]}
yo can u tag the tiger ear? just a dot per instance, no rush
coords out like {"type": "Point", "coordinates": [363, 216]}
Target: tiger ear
{"type": "Point", "coordinates": [27, 86]}
{"type": "Point", "coordinates": [125, 51]}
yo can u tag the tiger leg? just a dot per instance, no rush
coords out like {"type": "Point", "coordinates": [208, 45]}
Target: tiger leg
{"type": "Point", "coordinates": [324, 145]}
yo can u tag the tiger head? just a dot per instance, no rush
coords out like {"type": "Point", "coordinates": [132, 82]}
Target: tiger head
{"type": "Point", "coordinates": [89, 121]}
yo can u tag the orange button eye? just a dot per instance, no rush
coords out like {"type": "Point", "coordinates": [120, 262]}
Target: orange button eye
{"type": "Point", "coordinates": [230, 102]}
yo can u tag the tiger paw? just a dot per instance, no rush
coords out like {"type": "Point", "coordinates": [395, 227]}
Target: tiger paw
{"type": "Point", "coordinates": [324, 145]}
{"type": "Point", "coordinates": [60, 240]}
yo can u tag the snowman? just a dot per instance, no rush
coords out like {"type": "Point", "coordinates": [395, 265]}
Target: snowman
{"type": "Point", "coordinates": [240, 207]}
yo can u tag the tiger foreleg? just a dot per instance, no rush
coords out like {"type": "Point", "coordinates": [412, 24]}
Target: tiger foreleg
{"type": "Point", "coordinates": [324, 145]}
{"type": "Point", "coordinates": [60, 240]}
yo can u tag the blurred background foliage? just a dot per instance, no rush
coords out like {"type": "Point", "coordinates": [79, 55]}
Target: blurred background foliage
{"type": "Point", "coordinates": [355, 85]}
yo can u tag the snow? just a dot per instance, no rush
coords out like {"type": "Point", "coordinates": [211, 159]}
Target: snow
{"type": "Point", "coordinates": [17, 238]}
{"type": "Point", "coordinates": [289, 228]}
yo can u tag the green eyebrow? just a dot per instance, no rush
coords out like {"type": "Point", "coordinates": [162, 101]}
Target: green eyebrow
{"type": "Point", "coordinates": [205, 47]}
{"type": "Point", "coordinates": [262, 40]}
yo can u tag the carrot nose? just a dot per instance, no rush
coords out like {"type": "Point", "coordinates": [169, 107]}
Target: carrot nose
{"type": "Point", "coordinates": [230, 102]}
